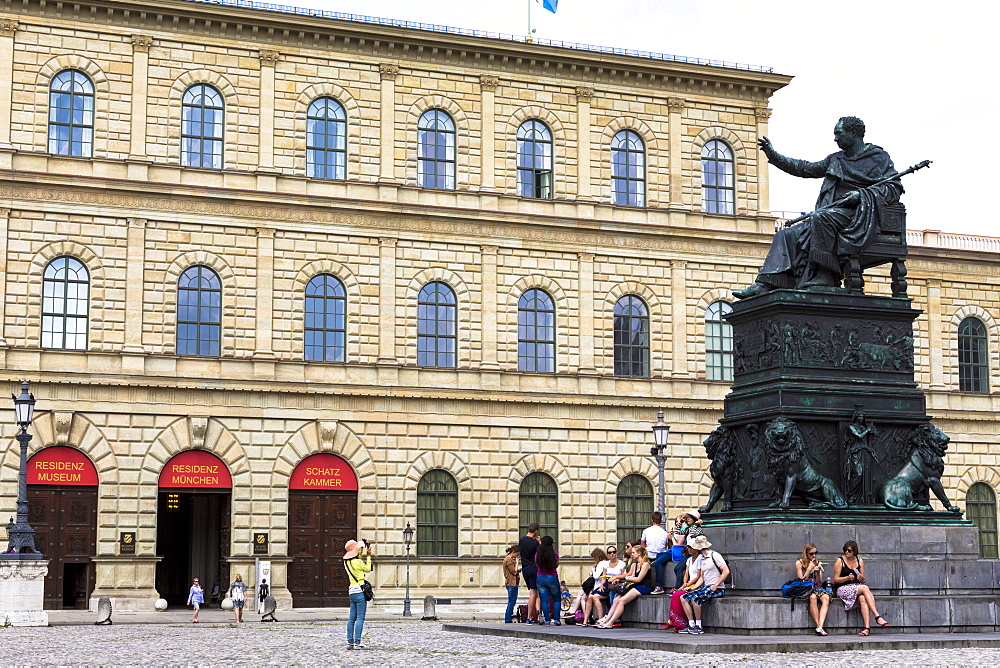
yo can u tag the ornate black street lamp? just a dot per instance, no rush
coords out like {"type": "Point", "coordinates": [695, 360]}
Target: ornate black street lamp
{"type": "Point", "coordinates": [408, 539]}
{"type": "Point", "coordinates": [20, 535]}
{"type": "Point", "coordinates": [660, 432]}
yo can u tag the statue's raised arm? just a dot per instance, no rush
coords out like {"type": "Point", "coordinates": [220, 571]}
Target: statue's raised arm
{"type": "Point", "coordinates": [858, 181]}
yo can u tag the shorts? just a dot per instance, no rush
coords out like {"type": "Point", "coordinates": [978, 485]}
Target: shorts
{"type": "Point", "coordinates": [238, 604]}
{"type": "Point", "coordinates": [643, 589]}
{"type": "Point", "coordinates": [702, 594]}
{"type": "Point", "coordinates": [530, 578]}
{"type": "Point", "coordinates": [196, 605]}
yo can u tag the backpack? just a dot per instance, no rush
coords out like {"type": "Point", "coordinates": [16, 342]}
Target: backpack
{"type": "Point", "coordinates": [797, 588]}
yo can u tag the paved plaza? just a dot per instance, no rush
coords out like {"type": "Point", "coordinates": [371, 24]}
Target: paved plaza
{"type": "Point", "coordinates": [134, 640]}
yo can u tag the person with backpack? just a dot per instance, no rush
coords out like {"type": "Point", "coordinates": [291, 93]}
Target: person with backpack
{"type": "Point", "coordinates": [238, 595]}
{"type": "Point", "coordinates": [712, 573]}
{"type": "Point", "coordinates": [356, 567]}
{"type": "Point", "coordinates": [808, 567]}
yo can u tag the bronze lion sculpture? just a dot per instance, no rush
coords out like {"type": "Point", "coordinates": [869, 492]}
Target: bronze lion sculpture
{"type": "Point", "coordinates": [921, 472]}
{"type": "Point", "coordinates": [719, 446]}
{"type": "Point", "coordinates": [786, 457]}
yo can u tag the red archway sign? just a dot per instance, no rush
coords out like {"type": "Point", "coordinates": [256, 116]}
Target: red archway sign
{"type": "Point", "coordinates": [324, 472]}
{"type": "Point", "coordinates": [196, 469]}
{"type": "Point", "coordinates": [60, 465]}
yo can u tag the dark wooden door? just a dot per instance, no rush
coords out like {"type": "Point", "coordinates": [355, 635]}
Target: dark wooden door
{"type": "Point", "coordinates": [319, 525]}
{"type": "Point", "coordinates": [65, 523]}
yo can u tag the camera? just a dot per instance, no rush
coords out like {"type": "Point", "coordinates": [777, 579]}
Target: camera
{"type": "Point", "coordinates": [365, 541]}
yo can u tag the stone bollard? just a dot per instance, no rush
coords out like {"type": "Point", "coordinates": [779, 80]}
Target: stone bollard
{"type": "Point", "coordinates": [430, 609]}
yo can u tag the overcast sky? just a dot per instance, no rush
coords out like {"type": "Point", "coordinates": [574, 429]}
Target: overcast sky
{"type": "Point", "coordinates": [921, 75]}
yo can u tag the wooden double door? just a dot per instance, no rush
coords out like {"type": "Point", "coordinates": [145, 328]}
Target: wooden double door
{"type": "Point", "coordinates": [319, 524]}
{"type": "Point", "coordinates": [65, 522]}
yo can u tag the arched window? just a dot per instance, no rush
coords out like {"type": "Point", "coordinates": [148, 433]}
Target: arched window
{"type": "Point", "coordinates": [538, 501]}
{"type": "Point", "coordinates": [65, 301]}
{"type": "Point", "coordinates": [534, 160]}
{"type": "Point", "coordinates": [973, 359]}
{"type": "Point", "coordinates": [981, 506]}
{"type": "Point", "coordinates": [628, 169]}
{"type": "Point", "coordinates": [536, 332]}
{"type": "Point", "coordinates": [199, 312]}
{"type": "Point", "coordinates": [436, 328]}
{"type": "Point", "coordinates": [718, 343]}
{"type": "Point", "coordinates": [436, 150]}
{"type": "Point", "coordinates": [326, 139]}
{"type": "Point", "coordinates": [71, 114]}
{"type": "Point", "coordinates": [325, 319]}
{"type": "Point", "coordinates": [718, 192]}
{"type": "Point", "coordinates": [631, 337]}
{"type": "Point", "coordinates": [634, 503]}
{"type": "Point", "coordinates": [202, 127]}
{"type": "Point", "coordinates": [437, 515]}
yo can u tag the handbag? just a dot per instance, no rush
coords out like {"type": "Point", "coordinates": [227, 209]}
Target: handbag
{"type": "Point", "coordinates": [366, 587]}
{"type": "Point", "coordinates": [620, 586]}
{"type": "Point", "coordinates": [588, 585]}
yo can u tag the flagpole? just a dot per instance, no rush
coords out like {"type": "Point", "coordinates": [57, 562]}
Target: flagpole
{"type": "Point", "coordinates": [529, 38]}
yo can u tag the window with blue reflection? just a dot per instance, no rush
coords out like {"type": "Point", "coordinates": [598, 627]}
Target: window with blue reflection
{"type": "Point", "coordinates": [534, 160]}
{"type": "Point", "coordinates": [325, 320]}
{"type": "Point", "coordinates": [628, 169]}
{"type": "Point", "coordinates": [436, 150]}
{"type": "Point", "coordinates": [718, 192]}
{"type": "Point", "coordinates": [199, 312]}
{"type": "Point", "coordinates": [202, 124]}
{"type": "Point", "coordinates": [437, 338]}
{"type": "Point", "coordinates": [71, 114]}
{"type": "Point", "coordinates": [536, 332]}
{"type": "Point", "coordinates": [326, 139]}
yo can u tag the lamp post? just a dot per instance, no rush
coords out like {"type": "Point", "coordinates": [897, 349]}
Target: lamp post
{"type": "Point", "coordinates": [20, 535]}
{"type": "Point", "coordinates": [660, 432]}
{"type": "Point", "coordinates": [408, 539]}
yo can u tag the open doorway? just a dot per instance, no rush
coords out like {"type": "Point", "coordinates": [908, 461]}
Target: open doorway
{"type": "Point", "coordinates": [192, 537]}
{"type": "Point", "coordinates": [193, 525]}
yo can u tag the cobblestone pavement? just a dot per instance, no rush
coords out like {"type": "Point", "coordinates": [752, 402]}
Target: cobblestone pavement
{"type": "Point", "coordinates": [389, 643]}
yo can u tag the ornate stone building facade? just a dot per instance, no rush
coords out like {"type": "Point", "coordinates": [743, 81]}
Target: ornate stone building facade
{"type": "Point", "coordinates": [308, 277]}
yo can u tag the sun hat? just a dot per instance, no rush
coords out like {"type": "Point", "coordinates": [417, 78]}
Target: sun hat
{"type": "Point", "coordinates": [699, 543]}
{"type": "Point", "coordinates": [693, 513]}
{"type": "Point", "coordinates": [351, 549]}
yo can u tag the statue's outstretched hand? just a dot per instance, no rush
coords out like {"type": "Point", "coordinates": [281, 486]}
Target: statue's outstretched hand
{"type": "Point", "coordinates": [765, 145]}
{"type": "Point", "coordinates": [852, 197]}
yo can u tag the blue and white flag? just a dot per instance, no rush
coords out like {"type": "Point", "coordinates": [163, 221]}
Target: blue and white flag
{"type": "Point", "coordinates": [550, 5]}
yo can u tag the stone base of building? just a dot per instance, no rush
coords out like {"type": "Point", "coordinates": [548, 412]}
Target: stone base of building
{"type": "Point", "coordinates": [22, 592]}
{"type": "Point", "coordinates": [924, 579]}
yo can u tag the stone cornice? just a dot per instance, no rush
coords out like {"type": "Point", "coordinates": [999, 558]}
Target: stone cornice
{"type": "Point", "coordinates": [241, 210]}
{"type": "Point", "coordinates": [324, 37]}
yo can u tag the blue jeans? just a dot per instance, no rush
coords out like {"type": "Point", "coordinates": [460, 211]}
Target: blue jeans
{"type": "Point", "coordinates": [549, 588]}
{"type": "Point", "coordinates": [511, 602]}
{"type": "Point", "coordinates": [356, 620]}
{"type": "Point", "coordinates": [679, 567]}
{"type": "Point", "coordinates": [659, 565]}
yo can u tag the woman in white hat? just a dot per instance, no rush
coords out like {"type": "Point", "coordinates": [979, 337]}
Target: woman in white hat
{"type": "Point", "coordinates": [712, 573]}
{"type": "Point", "coordinates": [356, 566]}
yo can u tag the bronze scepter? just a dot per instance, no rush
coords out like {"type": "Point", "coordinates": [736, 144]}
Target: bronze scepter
{"type": "Point", "coordinates": [919, 165]}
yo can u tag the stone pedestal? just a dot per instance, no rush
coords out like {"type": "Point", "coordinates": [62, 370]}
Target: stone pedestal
{"type": "Point", "coordinates": [925, 579]}
{"type": "Point", "coordinates": [22, 592]}
{"type": "Point", "coordinates": [128, 580]}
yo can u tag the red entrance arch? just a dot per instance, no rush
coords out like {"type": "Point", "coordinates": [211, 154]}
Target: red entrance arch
{"type": "Point", "coordinates": [322, 516]}
{"type": "Point", "coordinates": [196, 469]}
{"type": "Point", "coordinates": [62, 503]}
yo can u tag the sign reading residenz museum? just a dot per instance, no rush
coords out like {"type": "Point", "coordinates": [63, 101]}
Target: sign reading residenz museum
{"type": "Point", "coordinates": [61, 466]}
